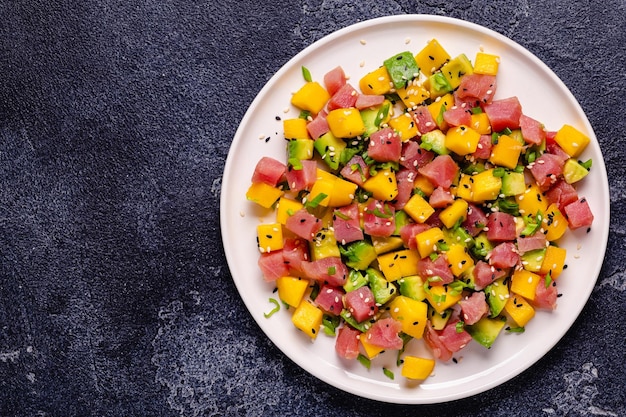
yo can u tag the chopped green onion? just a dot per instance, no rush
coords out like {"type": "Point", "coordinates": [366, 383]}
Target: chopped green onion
{"type": "Point", "coordinates": [331, 270]}
{"type": "Point", "coordinates": [586, 164]}
{"type": "Point", "coordinates": [515, 329]}
{"type": "Point", "coordinates": [316, 201]}
{"type": "Point", "coordinates": [304, 114]}
{"type": "Point", "coordinates": [364, 360]}
{"type": "Point", "coordinates": [548, 279]}
{"type": "Point", "coordinates": [459, 326]}
{"type": "Point", "coordinates": [295, 163]}
{"type": "Point", "coordinates": [342, 216]}
{"type": "Point", "coordinates": [330, 324]}
{"type": "Point", "coordinates": [306, 74]}
{"type": "Point", "coordinates": [499, 172]}
{"type": "Point", "coordinates": [439, 119]}
{"type": "Point", "coordinates": [388, 373]}
{"type": "Point", "coordinates": [274, 310]}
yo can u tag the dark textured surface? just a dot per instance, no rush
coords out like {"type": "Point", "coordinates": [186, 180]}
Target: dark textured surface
{"type": "Point", "coordinates": [115, 122]}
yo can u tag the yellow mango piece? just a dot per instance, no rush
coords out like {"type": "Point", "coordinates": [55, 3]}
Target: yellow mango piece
{"type": "Point", "coordinates": [418, 208]}
{"type": "Point", "coordinates": [411, 313]}
{"type": "Point", "coordinates": [307, 318]}
{"type": "Point", "coordinates": [506, 152]}
{"type": "Point", "coordinates": [398, 264]}
{"type": "Point", "coordinates": [531, 201]}
{"type": "Point", "coordinates": [485, 186]}
{"type": "Point", "coordinates": [554, 222]}
{"type": "Point", "coordinates": [462, 140]}
{"type": "Point", "coordinates": [486, 64]}
{"type": "Point", "coordinates": [405, 126]}
{"type": "Point", "coordinates": [269, 237]}
{"type": "Point", "coordinates": [371, 351]}
{"type": "Point", "coordinates": [464, 188]}
{"type": "Point", "coordinates": [339, 192]}
{"type": "Point", "coordinates": [345, 123]}
{"type": "Point", "coordinates": [427, 241]}
{"type": "Point", "coordinates": [435, 109]}
{"type": "Point", "coordinates": [572, 140]}
{"type": "Point", "coordinates": [376, 82]}
{"type": "Point", "coordinates": [442, 297]}
{"type": "Point", "coordinates": [291, 289]}
{"type": "Point", "coordinates": [263, 194]}
{"type": "Point", "coordinates": [324, 245]}
{"type": "Point", "coordinates": [383, 185]}
{"type": "Point", "coordinates": [423, 184]}
{"type": "Point", "coordinates": [386, 244]}
{"type": "Point", "coordinates": [285, 208]}
{"type": "Point", "coordinates": [417, 368]}
{"type": "Point", "coordinates": [310, 97]}
{"type": "Point", "coordinates": [295, 128]}
{"type": "Point", "coordinates": [454, 212]}
{"type": "Point", "coordinates": [525, 283]}
{"type": "Point", "coordinates": [431, 57]}
{"type": "Point", "coordinates": [480, 123]}
{"type": "Point", "coordinates": [519, 310]}
{"type": "Point", "coordinates": [553, 261]}
{"type": "Point", "coordinates": [413, 95]}
{"type": "Point", "coordinates": [460, 261]}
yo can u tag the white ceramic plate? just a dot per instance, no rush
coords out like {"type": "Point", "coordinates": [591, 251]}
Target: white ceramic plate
{"type": "Point", "coordinates": [543, 97]}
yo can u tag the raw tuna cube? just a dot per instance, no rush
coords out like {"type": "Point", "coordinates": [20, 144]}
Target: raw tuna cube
{"type": "Point", "coordinates": [441, 171]}
{"type": "Point", "coordinates": [414, 156]}
{"type": "Point", "coordinates": [424, 120]}
{"type": "Point", "coordinates": [504, 113]}
{"type": "Point", "coordinates": [302, 179]}
{"type": "Point", "coordinates": [579, 214]}
{"type": "Point", "coordinates": [485, 274]}
{"type": "Point", "coordinates": [546, 169]}
{"type": "Point", "coordinates": [331, 271]}
{"type": "Point", "coordinates": [343, 98]}
{"type": "Point", "coordinates": [330, 299]}
{"type": "Point", "coordinates": [357, 174]}
{"type": "Point", "coordinates": [385, 145]}
{"type": "Point", "coordinates": [361, 303]}
{"type": "Point", "coordinates": [347, 225]}
{"type": "Point", "coordinates": [347, 343]}
{"type": "Point", "coordinates": [269, 171]}
{"type": "Point", "coordinates": [334, 80]}
{"type": "Point", "coordinates": [303, 224]}
{"type": "Point", "coordinates": [501, 227]}
{"type": "Point", "coordinates": [364, 101]}
{"type": "Point", "coordinates": [504, 255]}
{"type": "Point", "coordinates": [378, 219]}
{"type": "Point", "coordinates": [319, 125]}
{"type": "Point", "coordinates": [476, 89]}
{"type": "Point", "coordinates": [474, 308]}
{"type": "Point", "coordinates": [533, 131]}
{"type": "Point", "coordinates": [272, 265]}
{"type": "Point", "coordinates": [384, 333]}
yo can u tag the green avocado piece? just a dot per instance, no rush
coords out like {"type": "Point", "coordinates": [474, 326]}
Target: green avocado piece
{"type": "Point", "coordinates": [330, 148]}
{"type": "Point", "coordinates": [359, 255]}
{"type": "Point", "coordinates": [355, 280]}
{"type": "Point", "coordinates": [299, 149]}
{"type": "Point", "coordinates": [533, 259]}
{"type": "Point", "coordinates": [382, 289]}
{"type": "Point", "coordinates": [435, 141]}
{"type": "Point", "coordinates": [412, 287]}
{"type": "Point", "coordinates": [497, 294]}
{"type": "Point", "coordinates": [486, 330]}
{"type": "Point", "coordinates": [513, 183]}
{"type": "Point", "coordinates": [402, 68]}
{"type": "Point", "coordinates": [573, 171]}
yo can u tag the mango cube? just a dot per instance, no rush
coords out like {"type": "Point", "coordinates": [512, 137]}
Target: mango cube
{"type": "Point", "coordinates": [263, 194]}
{"type": "Point", "coordinates": [345, 123]}
{"type": "Point", "coordinates": [554, 222]}
{"type": "Point", "coordinates": [525, 283]}
{"type": "Point", "coordinates": [427, 241]}
{"type": "Point", "coordinates": [383, 185]}
{"type": "Point", "coordinates": [405, 126]}
{"type": "Point", "coordinates": [411, 313]}
{"type": "Point", "coordinates": [398, 264]}
{"type": "Point", "coordinates": [462, 140]}
{"type": "Point", "coordinates": [307, 318]}
{"type": "Point", "coordinates": [413, 95]}
{"type": "Point", "coordinates": [460, 261]}
{"type": "Point", "coordinates": [431, 57]}
{"type": "Point", "coordinates": [442, 297]}
{"type": "Point", "coordinates": [531, 201]}
{"type": "Point", "coordinates": [485, 186]}
{"type": "Point", "coordinates": [437, 107]}
{"type": "Point", "coordinates": [285, 208]}
{"type": "Point", "coordinates": [417, 368]}
{"type": "Point", "coordinates": [310, 97]}
{"type": "Point", "coordinates": [572, 140]}
{"type": "Point", "coordinates": [291, 289]}
{"type": "Point", "coordinates": [423, 184]}
{"type": "Point", "coordinates": [506, 152]}
{"type": "Point", "coordinates": [519, 309]}
{"type": "Point", "coordinates": [269, 237]}
{"type": "Point", "coordinates": [295, 128]}
{"type": "Point", "coordinates": [338, 191]}
{"type": "Point", "coordinates": [486, 64]}
{"type": "Point", "coordinates": [480, 123]}
{"type": "Point", "coordinates": [418, 208]}
{"type": "Point", "coordinates": [371, 351]}
{"type": "Point", "coordinates": [377, 82]}
{"type": "Point", "coordinates": [455, 212]}
{"type": "Point", "coordinates": [553, 261]}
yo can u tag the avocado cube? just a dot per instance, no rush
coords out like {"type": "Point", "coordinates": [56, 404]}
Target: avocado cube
{"type": "Point", "coordinates": [486, 330]}
{"type": "Point", "coordinates": [402, 68]}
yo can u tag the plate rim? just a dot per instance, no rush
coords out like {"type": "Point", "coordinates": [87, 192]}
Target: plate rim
{"type": "Point", "coordinates": [459, 23]}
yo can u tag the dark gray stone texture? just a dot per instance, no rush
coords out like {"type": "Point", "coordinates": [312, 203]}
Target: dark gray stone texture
{"type": "Point", "coordinates": [115, 122]}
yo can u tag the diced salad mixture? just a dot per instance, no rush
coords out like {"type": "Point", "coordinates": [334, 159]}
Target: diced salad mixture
{"type": "Point", "coordinates": [417, 205]}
